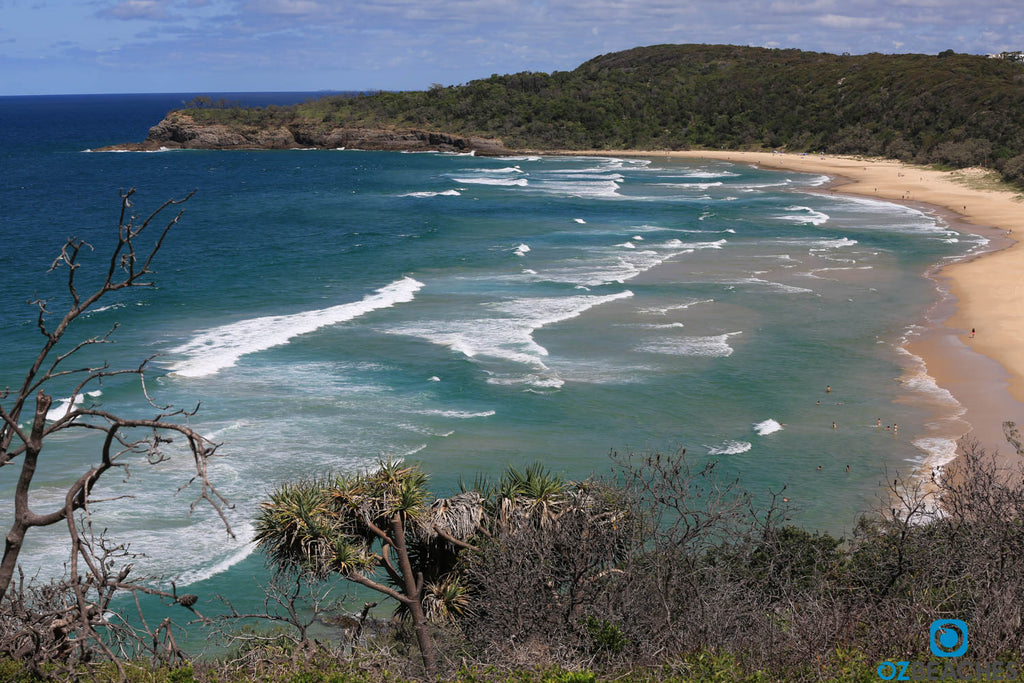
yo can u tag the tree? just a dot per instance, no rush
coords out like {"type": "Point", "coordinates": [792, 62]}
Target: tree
{"type": "Point", "coordinates": [40, 628]}
{"type": "Point", "coordinates": [359, 525]}
{"type": "Point", "coordinates": [378, 530]}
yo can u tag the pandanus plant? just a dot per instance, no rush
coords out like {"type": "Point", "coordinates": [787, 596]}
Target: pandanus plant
{"type": "Point", "coordinates": [375, 529]}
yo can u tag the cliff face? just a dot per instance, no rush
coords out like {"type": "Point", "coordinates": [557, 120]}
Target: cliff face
{"type": "Point", "coordinates": [181, 131]}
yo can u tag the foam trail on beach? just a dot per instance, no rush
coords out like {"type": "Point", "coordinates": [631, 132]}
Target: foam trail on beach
{"type": "Point", "coordinates": [216, 349]}
{"type": "Point", "coordinates": [918, 380]}
{"type": "Point", "coordinates": [938, 452]}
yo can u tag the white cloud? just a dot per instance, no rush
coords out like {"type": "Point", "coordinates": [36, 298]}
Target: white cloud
{"type": "Point", "coordinates": [138, 9]}
{"type": "Point", "coordinates": [840, 21]}
{"type": "Point", "coordinates": [286, 7]}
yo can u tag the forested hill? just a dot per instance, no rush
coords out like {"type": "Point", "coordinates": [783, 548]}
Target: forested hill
{"type": "Point", "coordinates": [949, 108]}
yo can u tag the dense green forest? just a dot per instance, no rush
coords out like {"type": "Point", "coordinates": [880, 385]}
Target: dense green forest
{"type": "Point", "coordinates": [951, 109]}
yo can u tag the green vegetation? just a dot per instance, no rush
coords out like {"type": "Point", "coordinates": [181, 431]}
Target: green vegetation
{"type": "Point", "coordinates": [952, 109]}
{"type": "Point", "coordinates": [660, 571]}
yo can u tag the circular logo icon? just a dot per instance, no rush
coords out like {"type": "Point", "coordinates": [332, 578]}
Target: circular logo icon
{"type": "Point", "coordinates": [948, 637]}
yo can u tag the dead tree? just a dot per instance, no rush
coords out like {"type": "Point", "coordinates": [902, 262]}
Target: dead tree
{"type": "Point", "coordinates": [26, 431]}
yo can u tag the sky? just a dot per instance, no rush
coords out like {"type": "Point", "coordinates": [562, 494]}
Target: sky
{"type": "Point", "coordinates": [199, 46]}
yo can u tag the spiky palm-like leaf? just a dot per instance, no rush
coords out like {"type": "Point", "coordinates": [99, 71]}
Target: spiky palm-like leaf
{"type": "Point", "coordinates": [295, 527]}
{"type": "Point", "coordinates": [394, 488]}
{"type": "Point", "coordinates": [445, 601]}
{"type": "Point", "coordinates": [351, 557]}
{"type": "Point", "coordinates": [532, 495]}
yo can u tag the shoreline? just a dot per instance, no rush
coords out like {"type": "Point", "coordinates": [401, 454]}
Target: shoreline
{"type": "Point", "coordinates": [984, 373]}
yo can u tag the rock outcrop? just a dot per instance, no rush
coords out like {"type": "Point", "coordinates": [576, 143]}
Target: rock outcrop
{"type": "Point", "coordinates": [181, 131]}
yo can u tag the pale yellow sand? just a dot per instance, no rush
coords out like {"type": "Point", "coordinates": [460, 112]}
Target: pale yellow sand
{"type": "Point", "coordinates": [988, 290]}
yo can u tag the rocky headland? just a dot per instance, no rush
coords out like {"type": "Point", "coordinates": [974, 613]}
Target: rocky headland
{"type": "Point", "coordinates": [180, 130]}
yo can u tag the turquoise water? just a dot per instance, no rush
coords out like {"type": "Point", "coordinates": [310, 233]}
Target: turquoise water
{"type": "Point", "coordinates": [328, 308]}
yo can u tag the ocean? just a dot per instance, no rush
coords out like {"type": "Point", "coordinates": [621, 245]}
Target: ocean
{"type": "Point", "coordinates": [328, 308]}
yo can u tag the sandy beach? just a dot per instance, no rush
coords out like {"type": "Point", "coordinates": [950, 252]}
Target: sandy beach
{"type": "Point", "coordinates": [984, 371]}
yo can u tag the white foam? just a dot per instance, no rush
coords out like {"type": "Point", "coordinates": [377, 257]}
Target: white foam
{"type": "Point", "coordinates": [111, 307]}
{"type": "Point", "coordinates": [789, 289]}
{"type": "Point", "coordinates": [769, 426]}
{"type": "Point", "coordinates": [837, 243]}
{"type": "Point", "coordinates": [729, 448]}
{"type": "Point", "coordinates": [620, 262]}
{"type": "Point", "coordinates": [521, 250]}
{"type": "Point", "coordinates": [196, 575]}
{"type": "Point", "coordinates": [218, 348]}
{"type": "Point", "coordinates": [662, 310]}
{"type": "Point", "coordinates": [63, 407]}
{"type": "Point", "coordinates": [702, 174]}
{"type": "Point", "coordinates": [689, 186]}
{"type": "Point", "coordinates": [487, 180]}
{"type": "Point", "coordinates": [458, 414]}
{"type": "Point", "coordinates": [938, 451]}
{"type": "Point", "coordinates": [503, 332]}
{"type": "Point", "coordinates": [656, 326]}
{"type": "Point", "coordinates": [591, 189]}
{"type": "Point", "coordinates": [920, 381]}
{"type": "Point", "coordinates": [805, 215]}
{"type": "Point", "coordinates": [679, 244]}
{"type": "Point", "coordinates": [580, 221]}
{"type": "Point", "coordinates": [434, 378]}
{"type": "Point", "coordinates": [716, 346]}
{"type": "Point", "coordinates": [445, 193]}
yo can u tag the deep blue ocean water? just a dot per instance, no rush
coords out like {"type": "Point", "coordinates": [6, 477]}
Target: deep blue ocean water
{"type": "Point", "coordinates": [331, 307]}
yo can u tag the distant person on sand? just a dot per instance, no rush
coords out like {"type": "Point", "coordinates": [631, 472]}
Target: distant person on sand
{"type": "Point", "coordinates": [972, 333]}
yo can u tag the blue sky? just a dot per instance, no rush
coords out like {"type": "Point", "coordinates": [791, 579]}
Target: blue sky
{"type": "Point", "coordinates": [117, 46]}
